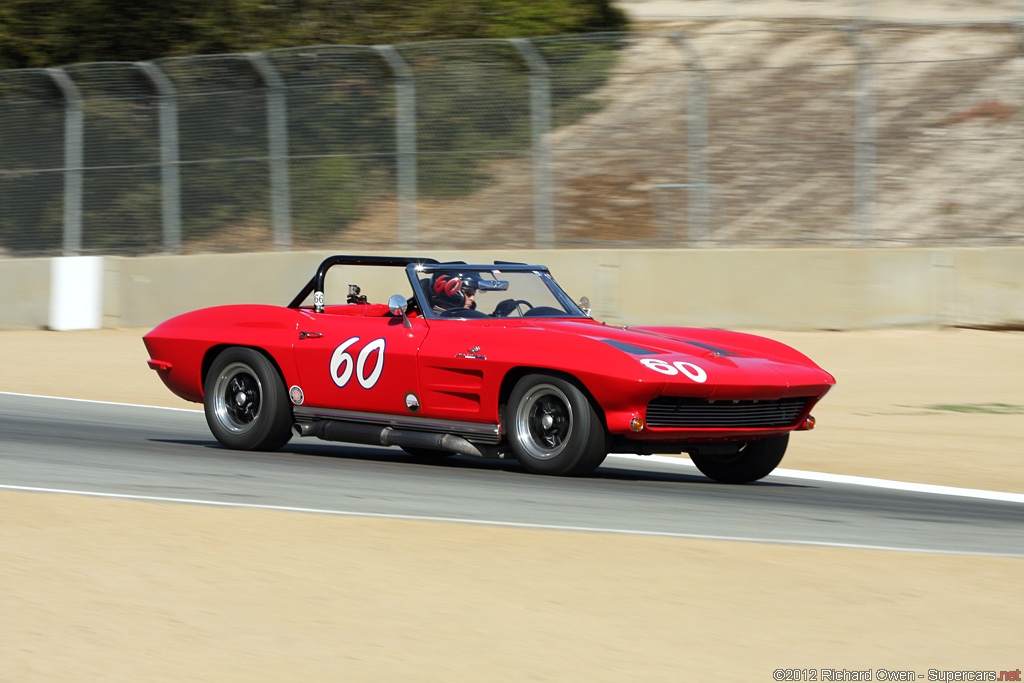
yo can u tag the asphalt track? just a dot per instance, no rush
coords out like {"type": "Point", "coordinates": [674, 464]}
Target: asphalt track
{"type": "Point", "coordinates": [148, 453]}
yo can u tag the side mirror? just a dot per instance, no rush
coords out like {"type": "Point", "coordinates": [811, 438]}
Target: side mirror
{"type": "Point", "coordinates": [584, 305]}
{"type": "Point", "coordinates": [397, 304]}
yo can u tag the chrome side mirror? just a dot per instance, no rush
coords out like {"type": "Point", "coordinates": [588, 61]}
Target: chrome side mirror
{"type": "Point", "coordinates": [584, 305]}
{"type": "Point", "coordinates": [398, 304]}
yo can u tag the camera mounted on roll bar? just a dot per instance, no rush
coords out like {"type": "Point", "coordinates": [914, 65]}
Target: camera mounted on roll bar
{"type": "Point", "coordinates": [353, 295]}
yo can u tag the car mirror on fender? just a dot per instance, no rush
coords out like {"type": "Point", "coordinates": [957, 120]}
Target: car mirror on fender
{"type": "Point", "coordinates": [398, 304]}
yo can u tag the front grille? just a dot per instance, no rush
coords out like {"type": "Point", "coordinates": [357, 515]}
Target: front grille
{"type": "Point", "coordinates": [698, 413]}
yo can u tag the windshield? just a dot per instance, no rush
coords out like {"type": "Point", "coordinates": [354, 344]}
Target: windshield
{"type": "Point", "coordinates": [468, 292]}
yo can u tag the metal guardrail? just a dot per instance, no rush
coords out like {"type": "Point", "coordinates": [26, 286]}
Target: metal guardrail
{"type": "Point", "coordinates": [721, 134]}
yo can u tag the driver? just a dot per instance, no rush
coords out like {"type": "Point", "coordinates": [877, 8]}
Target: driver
{"type": "Point", "coordinates": [452, 290]}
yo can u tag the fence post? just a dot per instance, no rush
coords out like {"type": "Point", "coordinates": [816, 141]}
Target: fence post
{"type": "Point", "coordinates": [170, 180]}
{"type": "Point", "coordinates": [277, 144]}
{"type": "Point", "coordinates": [864, 140]}
{"type": "Point", "coordinates": [1018, 29]}
{"type": "Point", "coordinates": [405, 105]}
{"type": "Point", "coordinates": [73, 161]}
{"type": "Point", "coordinates": [698, 229]}
{"type": "Point", "coordinates": [540, 126]}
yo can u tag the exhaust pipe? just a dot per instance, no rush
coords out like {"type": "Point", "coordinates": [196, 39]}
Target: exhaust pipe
{"type": "Point", "coordinates": [331, 430]}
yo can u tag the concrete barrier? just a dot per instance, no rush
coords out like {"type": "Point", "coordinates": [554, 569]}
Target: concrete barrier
{"type": "Point", "coordinates": [732, 288]}
{"type": "Point", "coordinates": [24, 293]}
{"type": "Point", "coordinates": [987, 287]}
{"type": "Point", "coordinates": [76, 293]}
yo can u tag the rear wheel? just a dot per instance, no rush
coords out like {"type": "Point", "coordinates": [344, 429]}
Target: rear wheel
{"type": "Point", "coordinates": [245, 401]}
{"type": "Point", "coordinates": [753, 461]}
{"type": "Point", "coordinates": [553, 429]}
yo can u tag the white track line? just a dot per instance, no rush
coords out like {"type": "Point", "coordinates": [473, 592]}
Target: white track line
{"type": "Point", "coordinates": [514, 525]}
{"type": "Point", "coordinates": [932, 489]}
{"type": "Point", "coordinates": [106, 403]}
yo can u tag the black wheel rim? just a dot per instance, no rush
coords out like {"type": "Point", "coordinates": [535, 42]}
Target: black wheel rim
{"type": "Point", "coordinates": [544, 421]}
{"type": "Point", "coordinates": [238, 396]}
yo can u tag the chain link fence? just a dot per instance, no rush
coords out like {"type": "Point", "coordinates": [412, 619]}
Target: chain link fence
{"type": "Point", "coordinates": [717, 133]}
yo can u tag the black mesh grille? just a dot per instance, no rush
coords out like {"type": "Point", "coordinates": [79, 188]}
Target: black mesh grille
{"type": "Point", "coordinates": [695, 413]}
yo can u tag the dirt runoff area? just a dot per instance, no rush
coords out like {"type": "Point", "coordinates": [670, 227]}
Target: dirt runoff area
{"type": "Point", "coordinates": [96, 589]}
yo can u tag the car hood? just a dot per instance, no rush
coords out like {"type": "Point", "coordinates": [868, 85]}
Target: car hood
{"type": "Point", "coordinates": [713, 363]}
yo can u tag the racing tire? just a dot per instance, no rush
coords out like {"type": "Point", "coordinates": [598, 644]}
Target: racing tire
{"type": "Point", "coordinates": [755, 460]}
{"type": "Point", "coordinates": [245, 401]}
{"type": "Point", "coordinates": [553, 428]}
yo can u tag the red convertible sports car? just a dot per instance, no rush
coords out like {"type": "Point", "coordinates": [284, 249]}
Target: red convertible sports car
{"type": "Point", "coordinates": [484, 360]}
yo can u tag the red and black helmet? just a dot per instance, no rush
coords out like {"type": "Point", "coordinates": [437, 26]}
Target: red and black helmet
{"type": "Point", "coordinates": [449, 290]}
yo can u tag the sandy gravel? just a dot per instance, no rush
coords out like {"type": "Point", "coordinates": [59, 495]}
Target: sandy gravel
{"type": "Point", "coordinates": [101, 590]}
{"type": "Point", "coordinates": [115, 590]}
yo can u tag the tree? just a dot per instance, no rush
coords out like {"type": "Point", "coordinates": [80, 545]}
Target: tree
{"type": "Point", "coordinates": [472, 106]}
{"type": "Point", "coordinates": [43, 33]}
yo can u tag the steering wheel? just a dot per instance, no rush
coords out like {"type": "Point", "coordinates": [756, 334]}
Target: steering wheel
{"type": "Point", "coordinates": [505, 308]}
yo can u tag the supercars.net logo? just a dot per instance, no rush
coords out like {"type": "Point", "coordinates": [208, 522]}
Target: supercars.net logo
{"type": "Point", "coordinates": [893, 675]}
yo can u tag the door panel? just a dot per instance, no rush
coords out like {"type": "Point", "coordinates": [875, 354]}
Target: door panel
{"type": "Point", "coordinates": [458, 380]}
{"type": "Point", "coordinates": [366, 364]}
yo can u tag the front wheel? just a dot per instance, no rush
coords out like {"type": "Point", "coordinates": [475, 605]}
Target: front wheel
{"type": "Point", "coordinates": [754, 460]}
{"type": "Point", "coordinates": [245, 401]}
{"type": "Point", "coordinates": [553, 428]}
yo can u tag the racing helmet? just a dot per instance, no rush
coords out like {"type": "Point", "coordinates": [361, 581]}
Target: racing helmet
{"type": "Point", "coordinates": [449, 290]}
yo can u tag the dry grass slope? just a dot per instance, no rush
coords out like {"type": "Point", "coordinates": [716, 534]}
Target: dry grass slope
{"type": "Point", "coordinates": [783, 146]}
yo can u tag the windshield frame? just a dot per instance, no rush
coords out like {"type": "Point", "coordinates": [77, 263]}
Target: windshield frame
{"type": "Point", "coordinates": [418, 271]}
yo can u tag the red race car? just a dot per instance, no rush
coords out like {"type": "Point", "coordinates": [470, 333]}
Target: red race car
{"type": "Point", "coordinates": [485, 360]}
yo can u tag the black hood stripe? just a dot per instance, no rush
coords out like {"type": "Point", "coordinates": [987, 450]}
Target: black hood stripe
{"type": "Point", "coordinates": [709, 347]}
{"type": "Point", "coordinates": [631, 348]}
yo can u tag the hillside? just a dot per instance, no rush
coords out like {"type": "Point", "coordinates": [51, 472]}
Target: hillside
{"type": "Point", "coordinates": [948, 158]}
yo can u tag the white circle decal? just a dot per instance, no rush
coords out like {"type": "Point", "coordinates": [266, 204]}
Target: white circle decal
{"type": "Point", "coordinates": [694, 372]}
{"type": "Point", "coordinates": [659, 365]}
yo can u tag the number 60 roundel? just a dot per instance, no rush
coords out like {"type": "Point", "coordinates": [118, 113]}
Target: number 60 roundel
{"type": "Point", "coordinates": [342, 365]}
{"type": "Point", "coordinates": [694, 372]}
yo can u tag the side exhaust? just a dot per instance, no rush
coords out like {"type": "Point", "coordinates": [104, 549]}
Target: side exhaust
{"type": "Point", "coordinates": [332, 430]}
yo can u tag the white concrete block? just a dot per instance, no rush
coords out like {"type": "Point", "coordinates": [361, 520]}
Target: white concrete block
{"type": "Point", "coordinates": [76, 293]}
